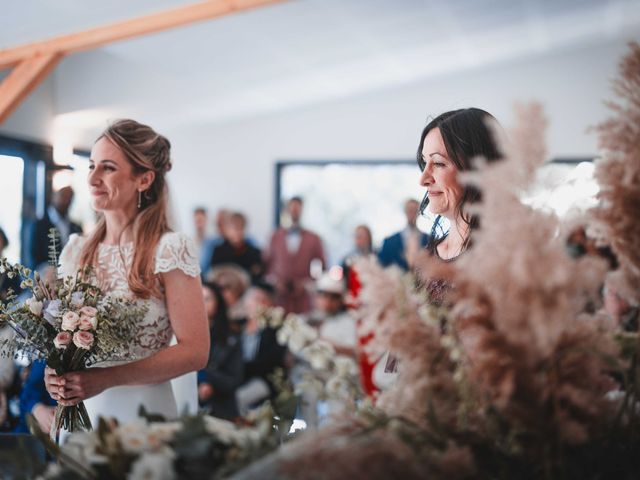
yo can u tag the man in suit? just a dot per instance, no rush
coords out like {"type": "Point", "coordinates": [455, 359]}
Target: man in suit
{"type": "Point", "coordinates": [261, 351]}
{"type": "Point", "coordinates": [401, 247]}
{"type": "Point", "coordinates": [289, 258]}
{"type": "Point", "coordinates": [56, 216]}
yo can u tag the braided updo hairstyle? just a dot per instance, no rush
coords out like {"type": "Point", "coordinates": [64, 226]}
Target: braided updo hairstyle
{"type": "Point", "coordinates": [145, 150]}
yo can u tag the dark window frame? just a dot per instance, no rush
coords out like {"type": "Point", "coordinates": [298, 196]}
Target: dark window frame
{"type": "Point", "coordinates": [33, 154]}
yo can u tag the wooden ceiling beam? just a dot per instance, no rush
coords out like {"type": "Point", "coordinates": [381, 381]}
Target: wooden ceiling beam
{"type": "Point", "coordinates": [25, 77]}
{"type": "Point", "coordinates": [144, 25]}
{"type": "Point", "coordinates": [34, 61]}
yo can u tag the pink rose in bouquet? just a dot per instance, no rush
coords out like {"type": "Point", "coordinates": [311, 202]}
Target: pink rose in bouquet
{"type": "Point", "coordinates": [62, 340]}
{"type": "Point", "coordinates": [70, 321]}
{"type": "Point", "coordinates": [83, 339]}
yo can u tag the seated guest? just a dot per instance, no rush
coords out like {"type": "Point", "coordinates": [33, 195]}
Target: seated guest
{"type": "Point", "coordinates": [363, 244]}
{"type": "Point", "coordinates": [223, 374]}
{"type": "Point", "coordinates": [401, 247]}
{"type": "Point", "coordinates": [618, 307]}
{"type": "Point", "coordinates": [236, 250]}
{"type": "Point", "coordinates": [35, 399]}
{"type": "Point", "coordinates": [233, 282]}
{"type": "Point", "coordinates": [7, 284]}
{"type": "Point", "coordinates": [7, 373]}
{"type": "Point", "coordinates": [261, 351]}
{"type": "Point", "coordinates": [334, 323]}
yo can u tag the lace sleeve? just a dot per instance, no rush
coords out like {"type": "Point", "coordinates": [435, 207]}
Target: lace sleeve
{"type": "Point", "coordinates": [177, 251]}
{"type": "Point", "coordinates": [70, 256]}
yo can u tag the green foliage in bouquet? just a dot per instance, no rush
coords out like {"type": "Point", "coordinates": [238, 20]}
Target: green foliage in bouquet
{"type": "Point", "coordinates": [70, 323]}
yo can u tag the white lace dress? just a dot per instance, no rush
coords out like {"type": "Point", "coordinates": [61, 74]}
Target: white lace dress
{"type": "Point", "coordinates": [175, 251]}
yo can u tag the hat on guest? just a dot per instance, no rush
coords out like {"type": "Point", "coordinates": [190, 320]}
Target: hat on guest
{"type": "Point", "coordinates": [328, 283]}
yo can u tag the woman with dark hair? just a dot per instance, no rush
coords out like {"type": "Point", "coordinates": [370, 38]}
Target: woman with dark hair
{"type": "Point", "coordinates": [223, 374]}
{"type": "Point", "coordinates": [448, 145]}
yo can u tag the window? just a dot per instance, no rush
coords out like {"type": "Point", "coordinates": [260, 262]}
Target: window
{"type": "Point", "coordinates": [11, 204]}
{"type": "Point", "coordinates": [75, 176]}
{"type": "Point", "coordinates": [563, 187]}
{"type": "Point", "coordinates": [338, 196]}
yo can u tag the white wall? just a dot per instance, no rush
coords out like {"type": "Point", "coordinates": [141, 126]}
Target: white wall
{"type": "Point", "coordinates": [233, 165]}
{"type": "Point", "coordinates": [33, 119]}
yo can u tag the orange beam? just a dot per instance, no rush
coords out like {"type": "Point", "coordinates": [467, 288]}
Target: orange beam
{"type": "Point", "coordinates": [144, 25]}
{"type": "Point", "coordinates": [23, 79]}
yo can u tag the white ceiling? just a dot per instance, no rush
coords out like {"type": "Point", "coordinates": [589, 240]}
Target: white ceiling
{"type": "Point", "coordinates": [299, 52]}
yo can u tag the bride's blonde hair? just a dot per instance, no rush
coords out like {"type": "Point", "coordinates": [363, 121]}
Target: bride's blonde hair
{"type": "Point", "coordinates": [145, 150]}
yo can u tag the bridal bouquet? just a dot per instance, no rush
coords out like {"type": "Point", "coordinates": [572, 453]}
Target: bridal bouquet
{"type": "Point", "coordinates": [71, 324]}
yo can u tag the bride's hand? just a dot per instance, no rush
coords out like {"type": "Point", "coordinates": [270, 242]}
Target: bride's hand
{"type": "Point", "coordinates": [79, 386]}
{"type": "Point", "coordinates": [53, 383]}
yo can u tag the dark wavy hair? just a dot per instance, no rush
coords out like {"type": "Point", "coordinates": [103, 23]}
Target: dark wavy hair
{"type": "Point", "coordinates": [220, 319]}
{"type": "Point", "coordinates": [466, 134]}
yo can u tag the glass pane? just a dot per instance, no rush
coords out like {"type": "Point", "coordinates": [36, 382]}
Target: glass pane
{"type": "Point", "coordinates": [80, 210]}
{"type": "Point", "coordinates": [339, 197]}
{"type": "Point", "coordinates": [11, 205]}
{"type": "Point", "coordinates": [563, 188]}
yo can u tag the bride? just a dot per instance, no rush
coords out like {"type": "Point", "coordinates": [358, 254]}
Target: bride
{"type": "Point", "coordinates": [133, 253]}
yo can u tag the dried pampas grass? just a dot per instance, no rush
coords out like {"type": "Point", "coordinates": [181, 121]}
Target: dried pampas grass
{"type": "Point", "coordinates": [617, 217]}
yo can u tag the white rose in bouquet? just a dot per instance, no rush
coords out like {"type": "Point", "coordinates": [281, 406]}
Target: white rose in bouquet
{"type": "Point", "coordinates": [70, 321]}
{"type": "Point", "coordinates": [345, 366]}
{"type": "Point", "coordinates": [157, 466]}
{"type": "Point", "coordinates": [319, 354]}
{"type": "Point", "coordinates": [35, 306]}
{"type": "Point", "coordinates": [224, 430]}
{"type": "Point", "coordinates": [134, 437]}
{"type": "Point", "coordinates": [164, 431]}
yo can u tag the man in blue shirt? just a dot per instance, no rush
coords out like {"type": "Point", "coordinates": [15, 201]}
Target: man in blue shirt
{"type": "Point", "coordinates": [400, 248]}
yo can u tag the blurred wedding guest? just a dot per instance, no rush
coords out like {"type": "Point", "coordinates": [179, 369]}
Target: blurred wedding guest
{"type": "Point", "coordinates": [624, 313]}
{"type": "Point", "coordinates": [7, 373]}
{"type": "Point", "coordinates": [261, 351]}
{"type": "Point", "coordinates": [211, 242]}
{"type": "Point", "coordinates": [6, 284]}
{"type": "Point", "coordinates": [363, 247]}
{"type": "Point", "coordinates": [289, 258]}
{"type": "Point", "coordinates": [233, 282]}
{"type": "Point", "coordinates": [401, 247]}
{"type": "Point", "coordinates": [56, 216]}
{"type": "Point", "coordinates": [7, 366]}
{"type": "Point", "coordinates": [200, 220]}
{"type": "Point", "coordinates": [218, 381]}
{"type": "Point", "coordinates": [334, 323]}
{"type": "Point", "coordinates": [236, 250]}
{"type": "Point", "coordinates": [35, 399]}
{"type": "Point", "coordinates": [579, 244]}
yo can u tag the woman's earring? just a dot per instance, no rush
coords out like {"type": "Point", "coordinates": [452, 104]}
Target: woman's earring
{"type": "Point", "coordinates": [139, 199]}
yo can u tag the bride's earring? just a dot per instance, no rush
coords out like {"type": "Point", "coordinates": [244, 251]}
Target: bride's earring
{"type": "Point", "coordinates": [139, 199]}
